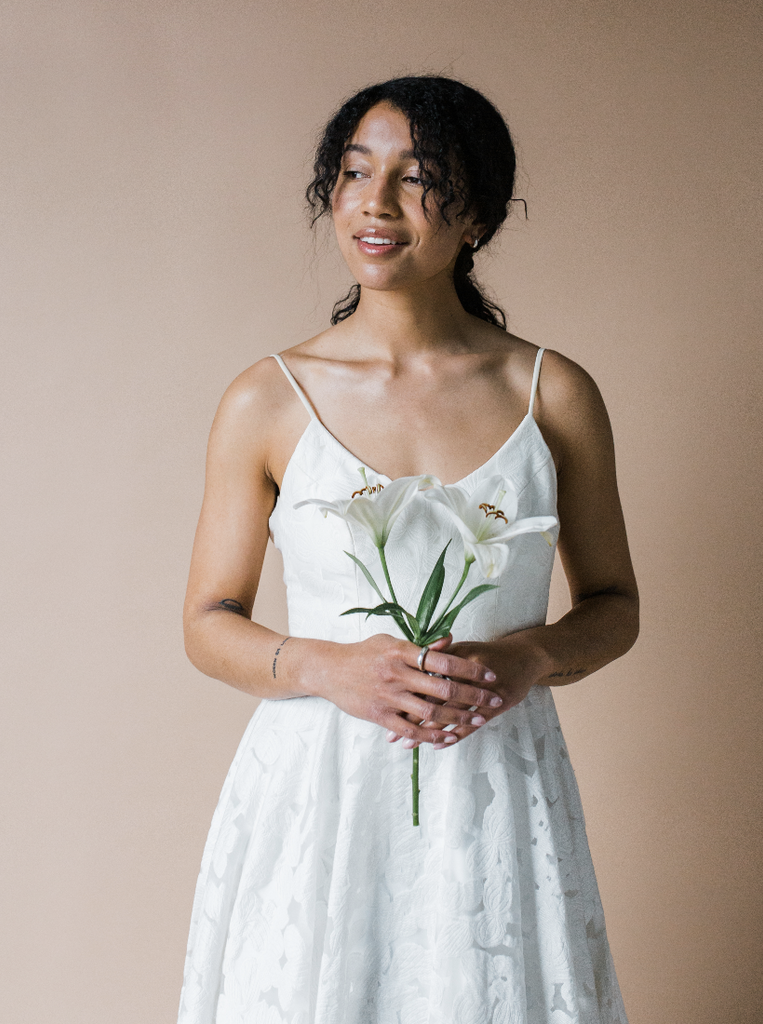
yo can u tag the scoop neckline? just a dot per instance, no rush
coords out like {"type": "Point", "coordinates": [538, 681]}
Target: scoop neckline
{"type": "Point", "coordinates": [347, 453]}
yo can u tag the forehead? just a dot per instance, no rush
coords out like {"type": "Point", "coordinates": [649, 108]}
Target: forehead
{"type": "Point", "coordinates": [383, 130]}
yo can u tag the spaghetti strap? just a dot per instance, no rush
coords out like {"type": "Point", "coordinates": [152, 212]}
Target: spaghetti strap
{"type": "Point", "coordinates": [536, 377]}
{"type": "Point", "coordinates": [302, 396]}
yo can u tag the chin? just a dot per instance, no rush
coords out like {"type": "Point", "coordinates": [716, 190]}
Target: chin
{"type": "Point", "coordinates": [382, 282]}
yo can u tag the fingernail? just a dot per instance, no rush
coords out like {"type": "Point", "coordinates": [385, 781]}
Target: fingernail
{"type": "Point", "coordinates": [496, 702]}
{"type": "Point", "coordinates": [450, 739]}
{"type": "Point", "coordinates": [409, 743]}
{"type": "Point", "coordinates": [390, 736]}
{"type": "Point", "coordinates": [478, 720]}
{"type": "Point", "coordinates": [490, 677]}
{"type": "Point", "coordinates": [438, 746]}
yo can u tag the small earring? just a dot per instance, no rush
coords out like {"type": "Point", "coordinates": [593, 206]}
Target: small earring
{"type": "Point", "coordinates": [476, 243]}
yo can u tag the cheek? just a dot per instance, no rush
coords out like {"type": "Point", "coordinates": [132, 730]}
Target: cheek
{"type": "Point", "coordinates": [342, 200]}
{"type": "Point", "coordinates": [446, 243]}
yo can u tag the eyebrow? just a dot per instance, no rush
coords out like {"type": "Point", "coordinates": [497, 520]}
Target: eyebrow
{"type": "Point", "coordinates": [354, 147]}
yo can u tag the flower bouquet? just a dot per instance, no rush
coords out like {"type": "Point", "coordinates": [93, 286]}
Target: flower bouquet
{"type": "Point", "coordinates": [486, 519]}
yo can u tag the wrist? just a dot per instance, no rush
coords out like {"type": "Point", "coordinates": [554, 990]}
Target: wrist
{"type": "Point", "coordinates": [528, 647]}
{"type": "Point", "coordinates": [301, 665]}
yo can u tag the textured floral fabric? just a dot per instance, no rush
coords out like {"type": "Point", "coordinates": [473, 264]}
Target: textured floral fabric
{"type": "Point", "coordinates": [318, 902]}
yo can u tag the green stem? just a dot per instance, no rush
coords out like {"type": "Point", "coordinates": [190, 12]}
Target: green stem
{"type": "Point", "coordinates": [386, 575]}
{"type": "Point", "coordinates": [415, 781]}
{"type": "Point", "coordinates": [464, 574]}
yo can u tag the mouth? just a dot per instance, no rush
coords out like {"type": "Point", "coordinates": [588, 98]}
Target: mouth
{"type": "Point", "coordinates": [381, 244]}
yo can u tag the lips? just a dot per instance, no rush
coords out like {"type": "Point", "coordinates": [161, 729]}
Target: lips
{"type": "Point", "coordinates": [378, 242]}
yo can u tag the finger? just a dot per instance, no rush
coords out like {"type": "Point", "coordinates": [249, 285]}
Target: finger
{"type": "Point", "coordinates": [458, 668]}
{"type": "Point", "coordinates": [442, 715]}
{"type": "Point", "coordinates": [411, 732]}
{"type": "Point", "coordinates": [454, 692]}
{"type": "Point", "coordinates": [449, 741]}
{"type": "Point", "coordinates": [477, 721]}
{"type": "Point", "coordinates": [436, 645]}
{"type": "Point", "coordinates": [461, 732]}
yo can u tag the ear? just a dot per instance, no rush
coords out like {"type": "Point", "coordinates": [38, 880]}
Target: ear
{"type": "Point", "coordinates": [473, 232]}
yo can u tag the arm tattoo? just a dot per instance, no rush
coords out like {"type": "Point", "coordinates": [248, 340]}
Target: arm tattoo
{"type": "Point", "coordinates": [233, 606]}
{"type": "Point", "coordinates": [567, 675]}
{"type": "Point", "coordinates": [280, 647]}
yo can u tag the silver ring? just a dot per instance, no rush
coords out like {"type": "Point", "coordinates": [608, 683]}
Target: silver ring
{"type": "Point", "coordinates": [422, 655]}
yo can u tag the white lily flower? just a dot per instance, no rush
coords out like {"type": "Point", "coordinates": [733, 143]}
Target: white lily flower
{"type": "Point", "coordinates": [487, 521]}
{"type": "Point", "coordinates": [375, 508]}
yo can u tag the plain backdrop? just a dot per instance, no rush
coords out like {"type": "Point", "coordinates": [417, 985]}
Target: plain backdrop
{"type": "Point", "coordinates": [154, 244]}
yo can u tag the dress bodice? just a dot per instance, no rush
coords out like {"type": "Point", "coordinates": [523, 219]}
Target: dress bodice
{"type": "Point", "coordinates": [322, 581]}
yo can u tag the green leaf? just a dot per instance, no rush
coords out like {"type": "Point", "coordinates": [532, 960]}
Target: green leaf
{"type": "Point", "coordinates": [410, 630]}
{"type": "Point", "coordinates": [387, 608]}
{"type": "Point", "coordinates": [407, 633]}
{"type": "Point", "coordinates": [445, 623]}
{"type": "Point", "coordinates": [430, 638]}
{"type": "Point", "coordinates": [413, 624]}
{"type": "Point", "coordinates": [367, 575]}
{"type": "Point", "coordinates": [391, 609]}
{"type": "Point", "coordinates": [432, 592]}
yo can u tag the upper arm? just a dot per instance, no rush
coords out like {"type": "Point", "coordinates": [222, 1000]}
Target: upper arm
{"type": "Point", "coordinates": [593, 545]}
{"type": "Point", "coordinates": [239, 495]}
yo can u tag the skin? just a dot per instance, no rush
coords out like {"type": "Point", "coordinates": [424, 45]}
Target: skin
{"type": "Point", "coordinates": [412, 384]}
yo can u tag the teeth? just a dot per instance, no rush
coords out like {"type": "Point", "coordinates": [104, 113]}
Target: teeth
{"type": "Point", "coordinates": [378, 241]}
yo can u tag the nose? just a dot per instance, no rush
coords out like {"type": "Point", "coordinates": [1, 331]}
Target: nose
{"type": "Point", "coordinates": [380, 196]}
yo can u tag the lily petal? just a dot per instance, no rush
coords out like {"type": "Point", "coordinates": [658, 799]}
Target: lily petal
{"type": "Point", "coordinates": [487, 520]}
{"type": "Point", "coordinates": [338, 508]}
{"type": "Point", "coordinates": [376, 514]}
{"type": "Point", "coordinates": [491, 559]}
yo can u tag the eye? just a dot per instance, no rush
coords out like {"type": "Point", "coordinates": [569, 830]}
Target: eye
{"type": "Point", "coordinates": [352, 175]}
{"type": "Point", "coordinates": [414, 179]}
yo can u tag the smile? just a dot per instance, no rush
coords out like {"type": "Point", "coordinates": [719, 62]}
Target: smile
{"type": "Point", "coordinates": [378, 246]}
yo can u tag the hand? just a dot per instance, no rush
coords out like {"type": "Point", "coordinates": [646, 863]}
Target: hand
{"type": "Point", "coordinates": [379, 680]}
{"type": "Point", "coordinates": [518, 665]}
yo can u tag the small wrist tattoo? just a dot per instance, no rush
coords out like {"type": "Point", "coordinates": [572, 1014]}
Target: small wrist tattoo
{"type": "Point", "coordinates": [280, 647]}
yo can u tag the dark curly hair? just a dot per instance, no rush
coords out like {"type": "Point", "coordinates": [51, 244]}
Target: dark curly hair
{"type": "Point", "coordinates": [466, 155]}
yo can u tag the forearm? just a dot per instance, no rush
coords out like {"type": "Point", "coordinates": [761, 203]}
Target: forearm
{"type": "Point", "coordinates": [597, 630]}
{"type": "Point", "coordinates": [223, 642]}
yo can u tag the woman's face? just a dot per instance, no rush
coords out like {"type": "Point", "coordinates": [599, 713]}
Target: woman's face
{"type": "Point", "coordinates": [383, 232]}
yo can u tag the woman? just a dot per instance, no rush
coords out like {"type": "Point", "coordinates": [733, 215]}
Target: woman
{"type": "Point", "coordinates": [318, 901]}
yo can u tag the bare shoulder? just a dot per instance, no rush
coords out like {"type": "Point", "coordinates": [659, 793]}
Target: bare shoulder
{"type": "Point", "coordinates": [569, 408]}
{"type": "Point", "coordinates": [250, 400]}
{"type": "Point", "coordinates": [255, 407]}
{"type": "Point", "coordinates": [257, 391]}
{"type": "Point", "coordinates": [261, 415]}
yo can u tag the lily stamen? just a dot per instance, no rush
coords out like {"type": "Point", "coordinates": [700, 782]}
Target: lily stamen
{"type": "Point", "coordinates": [491, 510]}
{"type": "Point", "coordinates": [368, 490]}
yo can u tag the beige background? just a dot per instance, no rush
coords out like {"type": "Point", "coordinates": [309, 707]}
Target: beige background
{"type": "Point", "coordinates": [154, 153]}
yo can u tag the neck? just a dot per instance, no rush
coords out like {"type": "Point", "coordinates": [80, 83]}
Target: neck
{"type": "Point", "coordinates": [410, 320]}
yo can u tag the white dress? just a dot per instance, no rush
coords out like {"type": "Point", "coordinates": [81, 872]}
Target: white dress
{"type": "Point", "coordinates": [318, 902]}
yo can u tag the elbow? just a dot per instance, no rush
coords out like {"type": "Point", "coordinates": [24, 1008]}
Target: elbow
{"type": "Point", "coordinates": [195, 634]}
{"type": "Point", "coordinates": [191, 638]}
{"type": "Point", "coordinates": [633, 628]}
{"type": "Point", "coordinates": [630, 620]}
{"type": "Point", "coordinates": [207, 631]}
{"type": "Point", "coordinates": [621, 609]}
